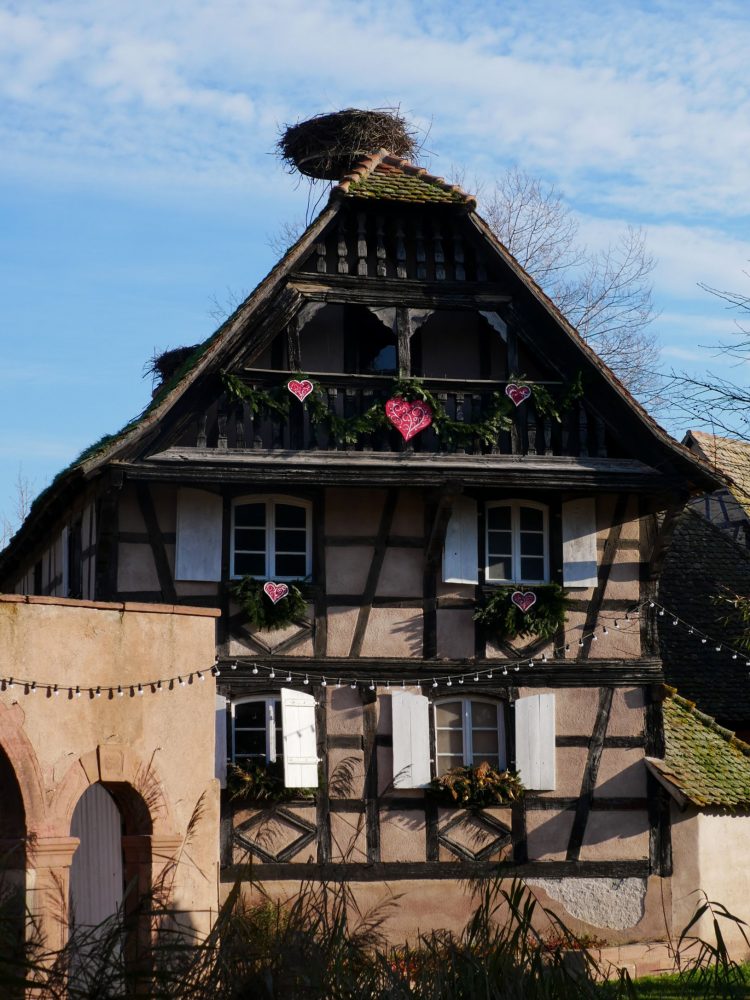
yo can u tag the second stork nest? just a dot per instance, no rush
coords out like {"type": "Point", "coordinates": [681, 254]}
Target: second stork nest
{"type": "Point", "coordinates": [328, 146]}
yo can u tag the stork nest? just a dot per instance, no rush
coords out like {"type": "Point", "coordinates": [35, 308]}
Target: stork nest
{"type": "Point", "coordinates": [326, 147]}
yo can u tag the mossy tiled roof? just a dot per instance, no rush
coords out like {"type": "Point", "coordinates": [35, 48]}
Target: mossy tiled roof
{"type": "Point", "coordinates": [729, 457]}
{"type": "Point", "coordinates": [390, 178]}
{"type": "Point", "coordinates": [702, 760]}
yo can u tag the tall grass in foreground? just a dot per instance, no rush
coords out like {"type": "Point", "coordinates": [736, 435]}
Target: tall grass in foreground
{"type": "Point", "coordinates": [322, 946]}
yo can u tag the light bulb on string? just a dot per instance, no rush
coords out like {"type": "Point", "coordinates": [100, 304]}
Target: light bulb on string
{"type": "Point", "coordinates": [233, 666]}
{"type": "Point", "coordinates": [181, 682]}
{"type": "Point", "coordinates": [489, 676]}
{"type": "Point", "coordinates": [704, 640]}
{"type": "Point", "coordinates": [353, 685]}
{"type": "Point", "coordinates": [78, 691]}
{"type": "Point", "coordinates": [372, 685]}
{"type": "Point", "coordinates": [661, 613]}
{"type": "Point", "coordinates": [449, 683]}
{"type": "Point", "coordinates": [306, 680]}
{"type": "Point", "coordinates": [476, 677]}
{"type": "Point", "coordinates": [616, 623]}
{"type": "Point", "coordinates": [460, 680]}
{"type": "Point", "coordinates": [32, 689]}
{"type": "Point", "coordinates": [605, 630]}
{"type": "Point", "coordinates": [158, 687]}
{"type": "Point", "coordinates": [272, 674]}
{"type": "Point", "coordinates": [388, 685]}
{"type": "Point", "coordinates": [718, 649]}
{"type": "Point", "coordinates": [200, 676]}
{"type": "Point", "coordinates": [255, 669]}
{"type": "Point", "coordinates": [434, 683]}
{"type": "Point", "coordinates": [140, 689]}
{"type": "Point", "coordinates": [289, 677]}
{"type": "Point", "coordinates": [324, 683]}
{"type": "Point", "coordinates": [505, 671]}
{"type": "Point", "coordinates": [674, 622]}
{"type": "Point", "coordinates": [119, 692]}
{"type": "Point", "coordinates": [10, 682]}
{"type": "Point", "coordinates": [338, 683]}
{"type": "Point", "coordinates": [56, 692]}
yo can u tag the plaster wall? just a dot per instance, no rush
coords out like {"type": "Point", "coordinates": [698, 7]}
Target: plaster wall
{"type": "Point", "coordinates": [161, 745]}
{"type": "Point", "coordinates": [703, 846]}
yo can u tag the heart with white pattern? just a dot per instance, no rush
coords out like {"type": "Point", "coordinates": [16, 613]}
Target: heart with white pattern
{"type": "Point", "coordinates": [523, 600]}
{"type": "Point", "coordinates": [517, 393]}
{"type": "Point", "coordinates": [276, 591]}
{"type": "Point", "coordinates": [300, 389]}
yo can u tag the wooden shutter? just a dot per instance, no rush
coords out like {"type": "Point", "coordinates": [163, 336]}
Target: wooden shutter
{"type": "Point", "coordinates": [220, 771]}
{"type": "Point", "coordinates": [535, 741]}
{"type": "Point", "coordinates": [579, 543]}
{"type": "Point", "coordinates": [411, 739]}
{"type": "Point", "coordinates": [460, 550]}
{"type": "Point", "coordinates": [300, 739]}
{"type": "Point", "coordinates": [198, 551]}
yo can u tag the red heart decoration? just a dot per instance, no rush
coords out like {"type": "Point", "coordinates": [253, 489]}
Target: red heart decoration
{"type": "Point", "coordinates": [300, 389]}
{"type": "Point", "coordinates": [517, 393]}
{"type": "Point", "coordinates": [524, 601]}
{"type": "Point", "coordinates": [408, 417]}
{"type": "Point", "coordinates": [276, 591]}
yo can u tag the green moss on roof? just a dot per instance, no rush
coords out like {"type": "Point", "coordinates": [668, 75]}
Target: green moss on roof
{"type": "Point", "coordinates": [704, 761]}
{"type": "Point", "coordinates": [398, 186]}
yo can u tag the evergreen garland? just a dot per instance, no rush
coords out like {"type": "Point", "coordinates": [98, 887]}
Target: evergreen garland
{"type": "Point", "coordinates": [260, 609]}
{"type": "Point", "coordinates": [348, 430]}
{"type": "Point", "coordinates": [503, 619]}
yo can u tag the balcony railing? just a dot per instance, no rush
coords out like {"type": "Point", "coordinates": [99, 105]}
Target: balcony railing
{"type": "Point", "coordinates": [231, 424]}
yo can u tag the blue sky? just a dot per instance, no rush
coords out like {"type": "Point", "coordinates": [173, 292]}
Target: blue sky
{"type": "Point", "coordinates": [137, 184]}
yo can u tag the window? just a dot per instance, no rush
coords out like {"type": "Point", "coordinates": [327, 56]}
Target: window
{"type": "Point", "coordinates": [469, 731]}
{"type": "Point", "coordinates": [256, 730]}
{"type": "Point", "coordinates": [277, 731]}
{"type": "Point", "coordinates": [271, 538]}
{"type": "Point", "coordinates": [516, 542]}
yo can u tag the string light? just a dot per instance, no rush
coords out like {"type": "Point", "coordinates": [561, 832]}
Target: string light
{"type": "Point", "coordinates": [263, 671]}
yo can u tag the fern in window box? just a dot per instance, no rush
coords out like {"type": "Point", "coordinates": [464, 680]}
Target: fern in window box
{"type": "Point", "coordinates": [477, 785]}
{"type": "Point", "coordinates": [262, 783]}
{"type": "Point", "coordinates": [505, 620]}
{"type": "Point", "coordinates": [262, 613]}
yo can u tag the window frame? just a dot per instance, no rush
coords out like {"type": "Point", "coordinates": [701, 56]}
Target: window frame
{"type": "Point", "coordinates": [467, 729]}
{"type": "Point", "coordinates": [271, 500]}
{"type": "Point", "coordinates": [272, 724]}
{"type": "Point", "coordinates": [515, 532]}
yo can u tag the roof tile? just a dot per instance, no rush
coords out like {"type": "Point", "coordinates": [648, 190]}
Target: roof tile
{"type": "Point", "coordinates": [391, 178]}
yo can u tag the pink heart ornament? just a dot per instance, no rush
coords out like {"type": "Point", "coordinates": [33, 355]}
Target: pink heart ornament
{"type": "Point", "coordinates": [300, 389]}
{"type": "Point", "coordinates": [524, 601]}
{"type": "Point", "coordinates": [517, 393]}
{"type": "Point", "coordinates": [276, 591]}
{"type": "Point", "coordinates": [409, 418]}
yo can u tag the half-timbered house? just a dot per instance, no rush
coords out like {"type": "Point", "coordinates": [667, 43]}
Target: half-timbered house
{"type": "Point", "coordinates": [530, 467]}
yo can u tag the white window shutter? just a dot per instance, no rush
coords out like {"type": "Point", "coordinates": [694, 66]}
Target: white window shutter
{"type": "Point", "coordinates": [411, 740]}
{"type": "Point", "coordinates": [579, 543]}
{"type": "Point", "coordinates": [535, 741]}
{"type": "Point", "coordinates": [300, 739]}
{"type": "Point", "coordinates": [460, 550]}
{"type": "Point", "coordinates": [220, 771]}
{"type": "Point", "coordinates": [198, 550]}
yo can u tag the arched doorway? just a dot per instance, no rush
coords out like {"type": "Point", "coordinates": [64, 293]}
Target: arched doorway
{"type": "Point", "coordinates": [96, 874]}
{"type": "Point", "coordinates": [12, 863]}
{"type": "Point", "coordinates": [110, 886]}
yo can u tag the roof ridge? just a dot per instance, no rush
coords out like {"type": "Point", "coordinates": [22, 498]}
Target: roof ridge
{"type": "Point", "coordinates": [369, 163]}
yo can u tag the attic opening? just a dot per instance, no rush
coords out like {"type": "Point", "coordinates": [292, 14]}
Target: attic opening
{"type": "Point", "coordinates": [348, 338]}
{"type": "Point", "coordinates": [455, 344]}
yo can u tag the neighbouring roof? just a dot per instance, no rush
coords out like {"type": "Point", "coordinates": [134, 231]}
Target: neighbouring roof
{"type": "Point", "coordinates": [702, 562]}
{"type": "Point", "coordinates": [729, 457]}
{"type": "Point", "coordinates": [390, 178]}
{"type": "Point", "coordinates": [703, 762]}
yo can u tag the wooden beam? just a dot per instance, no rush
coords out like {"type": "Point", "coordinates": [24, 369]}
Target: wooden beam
{"type": "Point", "coordinates": [605, 567]}
{"type": "Point", "coordinates": [590, 774]}
{"type": "Point", "coordinates": [453, 870]}
{"type": "Point", "coordinates": [407, 292]}
{"type": "Point", "coordinates": [373, 575]}
{"type": "Point", "coordinates": [158, 549]}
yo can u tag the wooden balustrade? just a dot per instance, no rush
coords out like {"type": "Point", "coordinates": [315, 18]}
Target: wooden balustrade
{"type": "Point", "coordinates": [230, 425]}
